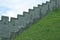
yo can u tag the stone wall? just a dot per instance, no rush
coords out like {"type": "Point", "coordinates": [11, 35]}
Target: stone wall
{"type": "Point", "coordinates": [9, 29]}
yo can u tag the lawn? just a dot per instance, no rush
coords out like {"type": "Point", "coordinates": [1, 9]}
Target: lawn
{"type": "Point", "coordinates": [47, 28]}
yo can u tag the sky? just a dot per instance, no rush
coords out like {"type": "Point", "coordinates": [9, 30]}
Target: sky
{"type": "Point", "coordinates": [13, 7]}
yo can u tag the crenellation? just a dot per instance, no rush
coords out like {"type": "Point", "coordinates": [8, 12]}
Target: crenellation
{"type": "Point", "coordinates": [35, 8]}
{"type": "Point", "coordinates": [4, 18]}
{"type": "Point", "coordinates": [22, 22]}
{"type": "Point", "coordinates": [43, 3]}
{"type": "Point", "coordinates": [13, 25]}
{"type": "Point", "coordinates": [39, 5]}
{"type": "Point", "coordinates": [37, 13]}
{"type": "Point", "coordinates": [44, 9]}
{"type": "Point", "coordinates": [40, 8]}
{"type": "Point", "coordinates": [27, 17]}
{"type": "Point", "coordinates": [4, 26]}
{"type": "Point", "coordinates": [30, 10]}
{"type": "Point", "coordinates": [13, 19]}
{"type": "Point", "coordinates": [51, 5]}
{"type": "Point", "coordinates": [19, 16]}
{"type": "Point", "coordinates": [55, 5]}
{"type": "Point", "coordinates": [56, 2]}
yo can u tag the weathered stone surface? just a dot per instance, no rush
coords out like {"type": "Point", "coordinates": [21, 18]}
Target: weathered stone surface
{"type": "Point", "coordinates": [19, 24]}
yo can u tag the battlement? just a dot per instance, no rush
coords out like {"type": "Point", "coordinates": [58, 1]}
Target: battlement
{"type": "Point", "coordinates": [22, 22]}
{"type": "Point", "coordinates": [4, 18]}
{"type": "Point", "coordinates": [13, 19]}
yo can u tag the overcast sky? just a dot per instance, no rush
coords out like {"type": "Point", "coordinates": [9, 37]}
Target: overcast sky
{"type": "Point", "coordinates": [13, 7]}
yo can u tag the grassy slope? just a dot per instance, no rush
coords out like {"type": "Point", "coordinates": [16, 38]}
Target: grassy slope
{"type": "Point", "coordinates": [46, 29]}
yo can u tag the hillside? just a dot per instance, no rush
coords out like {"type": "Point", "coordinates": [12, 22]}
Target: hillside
{"type": "Point", "coordinates": [46, 29]}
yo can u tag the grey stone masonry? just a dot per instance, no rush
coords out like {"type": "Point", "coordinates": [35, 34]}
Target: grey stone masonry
{"type": "Point", "coordinates": [13, 25]}
{"type": "Point", "coordinates": [27, 18]}
{"type": "Point", "coordinates": [21, 21]}
{"type": "Point", "coordinates": [9, 29]}
{"type": "Point", "coordinates": [4, 29]}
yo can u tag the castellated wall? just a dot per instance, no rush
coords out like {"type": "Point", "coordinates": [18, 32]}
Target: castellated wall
{"type": "Point", "coordinates": [9, 29]}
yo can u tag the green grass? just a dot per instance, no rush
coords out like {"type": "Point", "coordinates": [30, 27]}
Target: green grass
{"type": "Point", "coordinates": [46, 29]}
